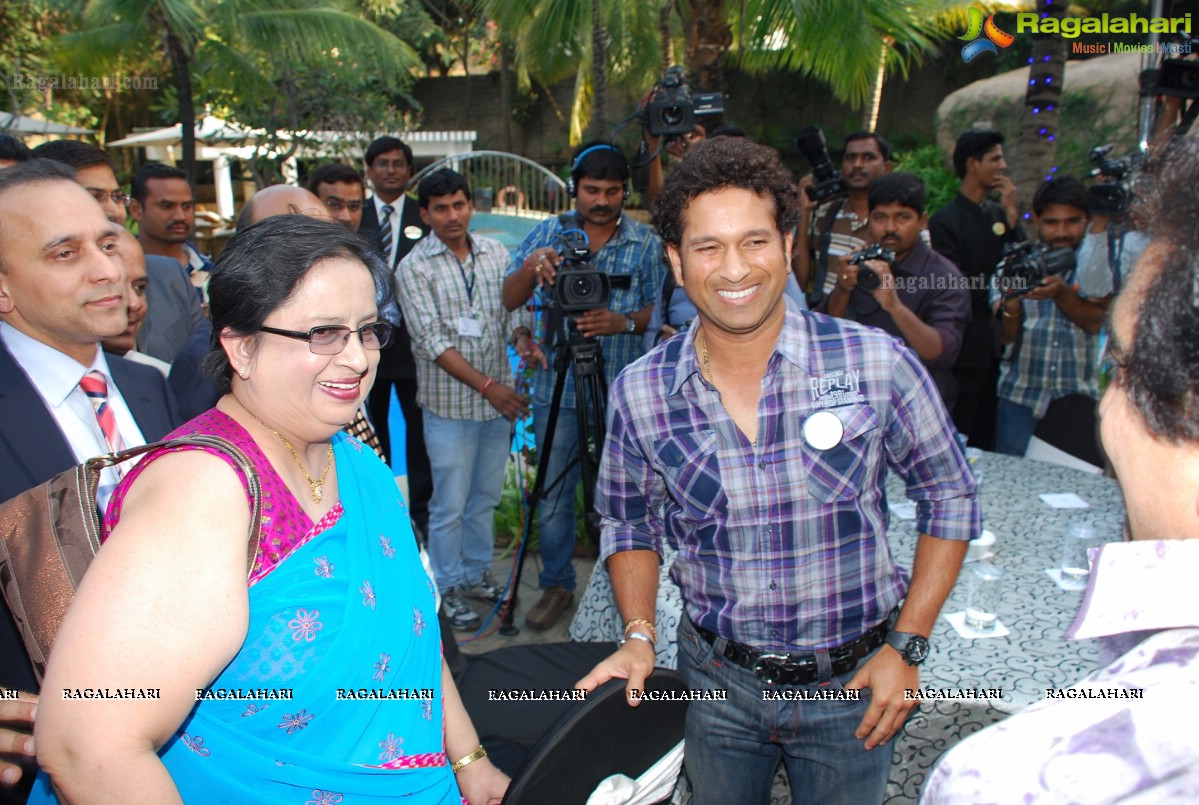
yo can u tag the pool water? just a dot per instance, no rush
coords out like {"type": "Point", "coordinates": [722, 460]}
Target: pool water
{"type": "Point", "coordinates": [509, 230]}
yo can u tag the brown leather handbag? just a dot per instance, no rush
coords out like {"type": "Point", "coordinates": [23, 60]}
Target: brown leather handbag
{"type": "Point", "coordinates": [49, 534]}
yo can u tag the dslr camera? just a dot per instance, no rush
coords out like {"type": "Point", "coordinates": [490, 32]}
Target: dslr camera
{"type": "Point", "coordinates": [577, 286]}
{"type": "Point", "coordinates": [868, 280]}
{"type": "Point", "coordinates": [811, 143]}
{"type": "Point", "coordinates": [1113, 197]}
{"type": "Point", "coordinates": [673, 109]}
{"type": "Point", "coordinates": [1025, 265]}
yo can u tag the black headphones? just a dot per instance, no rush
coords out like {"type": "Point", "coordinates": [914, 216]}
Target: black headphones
{"type": "Point", "coordinates": [572, 188]}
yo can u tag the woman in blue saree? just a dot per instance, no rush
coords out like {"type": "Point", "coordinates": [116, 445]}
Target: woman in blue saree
{"type": "Point", "coordinates": [317, 681]}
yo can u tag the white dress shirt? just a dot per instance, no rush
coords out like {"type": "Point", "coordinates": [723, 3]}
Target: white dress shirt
{"type": "Point", "coordinates": [397, 214]}
{"type": "Point", "coordinates": [56, 377]}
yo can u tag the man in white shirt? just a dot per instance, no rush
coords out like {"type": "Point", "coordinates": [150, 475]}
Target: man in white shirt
{"type": "Point", "coordinates": [62, 401]}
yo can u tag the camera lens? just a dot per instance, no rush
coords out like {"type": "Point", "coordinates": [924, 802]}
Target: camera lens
{"type": "Point", "coordinates": [582, 289]}
{"type": "Point", "coordinates": [673, 115]}
{"type": "Point", "coordinates": [868, 280]}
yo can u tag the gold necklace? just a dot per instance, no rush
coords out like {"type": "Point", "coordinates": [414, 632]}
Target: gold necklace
{"type": "Point", "coordinates": [318, 487]}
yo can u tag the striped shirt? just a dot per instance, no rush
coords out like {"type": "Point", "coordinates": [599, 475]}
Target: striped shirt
{"type": "Point", "coordinates": [781, 545]}
{"type": "Point", "coordinates": [848, 235]}
{"type": "Point", "coordinates": [633, 252]}
{"type": "Point", "coordinates": [438, 294]}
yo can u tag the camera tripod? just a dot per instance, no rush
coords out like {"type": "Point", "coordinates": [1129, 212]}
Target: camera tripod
{"type": "Point", "coordinates": [583, 356]}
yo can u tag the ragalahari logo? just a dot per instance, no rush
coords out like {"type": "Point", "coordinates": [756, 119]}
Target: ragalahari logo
{"type": "Point", "coordinates": [983, 44]}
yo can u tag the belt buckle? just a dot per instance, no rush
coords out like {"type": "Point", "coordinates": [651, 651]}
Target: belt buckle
{"type": "Point", "coordinates": [773, 668]}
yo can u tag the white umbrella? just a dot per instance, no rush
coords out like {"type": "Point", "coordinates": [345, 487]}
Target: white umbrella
{"type": "Point", "coordinates": [20, 124]}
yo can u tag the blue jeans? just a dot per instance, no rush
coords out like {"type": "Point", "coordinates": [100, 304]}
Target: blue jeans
{"type": "Point", "coordinates": [733, 747]}
{"type": "Point", "coordinates": [556, 512]}
{"type": "Point", "coordinates": [1014, 426]}
{"type": "Point", "coordinates": [467, 459]}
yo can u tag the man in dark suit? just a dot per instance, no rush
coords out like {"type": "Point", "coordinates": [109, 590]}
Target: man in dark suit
{"type": "Point", "coordinates": [392, 222]}
{"type": "Point", "coordinates": [173, 311]}
{"type": "Point", "coordinates": [62, 289]}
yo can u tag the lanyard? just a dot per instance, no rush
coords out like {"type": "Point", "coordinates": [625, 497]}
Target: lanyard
{"type": "Point", "coordinates": [469, 284]}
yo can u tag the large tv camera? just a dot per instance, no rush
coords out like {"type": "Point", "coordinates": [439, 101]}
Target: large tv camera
{"type": "Point", "coordinates": [673, 109]}
{"type": "Point", "coordinates": [868, 280]}
{"type": "Point", "coordinates": [1025, 265]}
{"type": "Point", "coordinates": [811, 143]}
{"type": "Point", "coordinates": [577, 286]}
{"type": "Point", "coordinates": [1112, 197]}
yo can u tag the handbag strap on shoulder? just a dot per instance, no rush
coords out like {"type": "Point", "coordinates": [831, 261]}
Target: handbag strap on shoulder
{"type": "Point", "coordinates": [93, 466]}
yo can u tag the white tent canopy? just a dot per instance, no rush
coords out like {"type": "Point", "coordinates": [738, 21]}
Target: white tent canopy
{"type": "Point", "coordinates": [20, 124]}
{"type": "Point", "coordinates": [219, 141]}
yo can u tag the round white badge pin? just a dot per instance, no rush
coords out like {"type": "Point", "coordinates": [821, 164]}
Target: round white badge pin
{"type": "Point", "coordinates": [823, 430]}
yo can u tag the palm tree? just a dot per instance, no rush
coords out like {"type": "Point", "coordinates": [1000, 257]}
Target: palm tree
{"type": "Point", "coordinates": [596, 41]}
{"type": "Point", "coordinates": [230, 35]}
{"type": "Point", "coordinates": [837, 43]}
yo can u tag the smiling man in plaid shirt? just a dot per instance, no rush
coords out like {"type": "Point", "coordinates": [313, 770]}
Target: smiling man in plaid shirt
{"type": "Point", "coordinates": [757, 443]}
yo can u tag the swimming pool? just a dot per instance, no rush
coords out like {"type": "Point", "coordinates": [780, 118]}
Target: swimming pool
{"type": "Point", "coordinates": [509, 230]}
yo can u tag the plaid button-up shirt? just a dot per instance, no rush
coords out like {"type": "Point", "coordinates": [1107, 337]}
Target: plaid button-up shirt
{"type": "Point", "coordinates": [433, 292]}
{"type": "Point", "coordinates": [1054, 357]}
{"type": "Point", "coordinates": [781, 545]}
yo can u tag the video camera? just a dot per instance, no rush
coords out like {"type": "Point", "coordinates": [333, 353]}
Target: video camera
{"type": "Point", "coordinates": [868, 280]}
{"type": "Point", "coordinates": [811, 143]}
{"type": "Point", "coordinates": [1114, 197]}
{"type": "Point", "coordinates": [577, 287]}
{"type": "Point", "coordinates": [673, 109]}
{"type": "Point", "coordinates": [1025, 265]}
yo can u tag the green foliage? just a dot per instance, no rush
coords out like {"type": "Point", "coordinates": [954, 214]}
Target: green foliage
{"type": "Point", "coordinates": [1087, 120]}
{"type": "Point", "coordinates": [837, 43]}
{"type": "Point", "coordinates": [928, 163]}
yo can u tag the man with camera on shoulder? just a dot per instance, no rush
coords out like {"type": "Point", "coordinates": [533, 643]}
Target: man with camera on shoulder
{"type": "Point", "coordinates": [832, 226]}
{"type": "Point", "coordinates": [1051, 313]}
{"type": "Point", "coordinates": [631, 257]}
{"type": "Point", "coordinates": [918, 296]}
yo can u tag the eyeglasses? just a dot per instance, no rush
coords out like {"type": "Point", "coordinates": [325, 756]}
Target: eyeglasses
{"type": "Point", "coordinates": [337, 205]}
{"type": "Point", "coordinates": [117, 196]}
{"type": "Point", "coordinates": [331, 339]}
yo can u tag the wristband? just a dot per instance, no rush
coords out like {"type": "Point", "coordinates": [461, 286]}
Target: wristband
{"type": "Point", "coordinates": [637, 636]}
{"type": "Point", "coordinates": [648, 625]}
{"type": "Point", "coordinates": [459, 765]}
{"type": "Point", "coordinates": [483, 388]}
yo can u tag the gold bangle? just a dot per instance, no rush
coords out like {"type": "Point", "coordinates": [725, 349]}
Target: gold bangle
{"type": "Point", "coordinates": [648, 624]}
{"type": "Point", "coordinates": [459, 765]}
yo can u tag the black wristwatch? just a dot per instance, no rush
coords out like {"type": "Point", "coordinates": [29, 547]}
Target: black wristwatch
{"type": "Point", "coordinates": [912, 647]}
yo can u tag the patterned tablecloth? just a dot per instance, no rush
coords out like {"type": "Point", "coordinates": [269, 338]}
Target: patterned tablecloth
{"type": "Point", "coordinates": [1023, 665]}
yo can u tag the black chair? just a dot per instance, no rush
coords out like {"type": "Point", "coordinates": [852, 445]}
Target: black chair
{"type": "Point", "coordinates": [597, 738]}
{"type": "Point", "coordinates": [510, 728]}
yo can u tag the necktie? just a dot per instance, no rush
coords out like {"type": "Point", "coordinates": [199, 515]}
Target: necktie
{"type": "Point", "coordinates": [96, 388]}
{"type": "Point", "coordinates": [385, 232]}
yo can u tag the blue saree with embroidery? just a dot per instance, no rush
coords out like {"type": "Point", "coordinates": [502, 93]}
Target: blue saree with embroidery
{"type": "Point", "coordinates": [335, 697]}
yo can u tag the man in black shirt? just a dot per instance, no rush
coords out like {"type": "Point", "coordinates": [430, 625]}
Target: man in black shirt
{"type": "Point", "coordinates": [971, 231]}
{"type": "Point", "coordinates": [923, 300]}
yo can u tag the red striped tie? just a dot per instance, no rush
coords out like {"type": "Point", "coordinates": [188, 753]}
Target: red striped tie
{"type": "Point", "coordinates": [96, 388]}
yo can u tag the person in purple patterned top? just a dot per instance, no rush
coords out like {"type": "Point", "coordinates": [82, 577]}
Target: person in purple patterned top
{"type": "Point", "coordinates": [757, 443]}
{"type": "Point", "coordinates": [1121, 734]}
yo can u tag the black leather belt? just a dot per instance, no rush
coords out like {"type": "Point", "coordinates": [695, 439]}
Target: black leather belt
{"type": "Point", "coordinates": [777, 668]}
